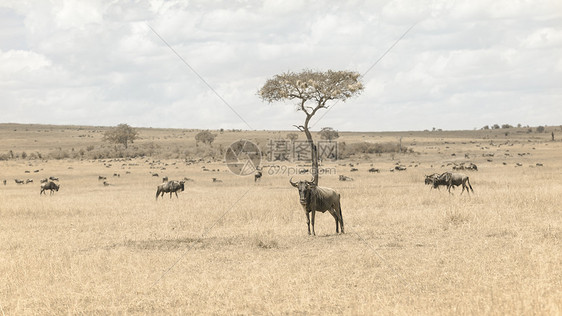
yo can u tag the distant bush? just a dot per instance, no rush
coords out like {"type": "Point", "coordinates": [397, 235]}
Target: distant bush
{"type": "Point", "coordinates": [540, 129]}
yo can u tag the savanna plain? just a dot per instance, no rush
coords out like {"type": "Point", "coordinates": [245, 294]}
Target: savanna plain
{"type": "Point", "coordinates": [241, 247]}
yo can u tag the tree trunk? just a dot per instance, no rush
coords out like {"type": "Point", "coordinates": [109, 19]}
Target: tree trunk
{"type": "Point", "coordinates": [314, 150]}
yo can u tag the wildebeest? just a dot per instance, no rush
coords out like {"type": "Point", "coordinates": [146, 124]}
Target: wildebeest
{"type": "Point", "coordinates": [18, 181]}
{"type": "Point", "coordinates": [28, 181]}
{"type": "Point", "coordinates": [353, 170]}
{"type": "Point", "coordinates": [436, 180]}
{"type": "Point", "coordinates": [217, 180]}
{"type": "Point", "coordinates": [165, 179]}
{"type": "Point", "coordinates": [257, 175]}
{"type": "Point", "coordinates": [49, 186]}
{"type": "Point", "coordinates": [318, 199]}
{"type": "Point", "coordinates": [44, 180]}
{"type": "Point", "coordinates": [400, 168]}
{"type": "Point", "coordinates": [374, 170]}
{"type": "Point", "coordinates": [345, 178]}
{"type": "Point", "coordinates": [102, 178]}
{"type": "Point", "coordinates": [53, 178]}
{"type": "Point", "coordinates": [4, 181]}
{"type": "Point", "coordinates": [456, 179]}
{"type": "Point", "coordinates": [170, 187]}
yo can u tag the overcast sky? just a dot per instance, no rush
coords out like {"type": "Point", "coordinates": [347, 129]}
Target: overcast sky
{"type": "Point", "coordinates": [463, 65]}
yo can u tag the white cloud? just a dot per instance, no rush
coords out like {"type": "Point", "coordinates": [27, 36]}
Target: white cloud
{"type": "Point", "coordinates": [99, 63]}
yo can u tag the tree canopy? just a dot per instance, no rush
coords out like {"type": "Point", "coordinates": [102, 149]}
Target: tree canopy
{"type": "Point", "coordinates": [121, 134]}
{"type": "Point", "coordinates": [205, 137]}
{"type": "Point", "coordinates": [329, 133]}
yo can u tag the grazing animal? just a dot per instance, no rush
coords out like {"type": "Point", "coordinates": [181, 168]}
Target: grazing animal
{"type": "Point", "coordinates": [353, 170]}
{"type": "Point", "coordinates": [318, 199]}
{"type": "Point", "coordinates": [170, 187]}
{"type": "Point", "coordinates": [18, 181]}
{"type": "Point", "coordinates": [217, 180]}
{"type": "Point", "coordinates": [165, 179]}
{"type": "Point", "coordinates": [49, 186]}
{"type": "Point", "coordinates": [257, 175]}
{"type": "Point", "coordinates": [456, 179]}
{"type": "Point", "coordinates": [116, 175]}
{"type": "Point", "coordinates": [400, 168]}
{"type": "Point", "coordinates": [345, 178]}
{"type": "Point", "coordinates": [155, 175]}
{"type": "Point", "coordinates": [105, 184]}
{"type": "Point", "coordinates": [4, 181]}
{"type": "Point", "coordinates": [102, 178]}
{"type": "Point", "coordinates": [44, 180]}
{"type": "Point", "coordinates": [374, 170]}
{"type": "Point", "coordinates": [53, 178]}
{"type": "Point", "coordinates": [28, 181]}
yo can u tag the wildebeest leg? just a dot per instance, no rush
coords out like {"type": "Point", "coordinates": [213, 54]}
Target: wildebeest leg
{"type": "Point", "coordinates": [468, 182]}
{"type": "Point", "coordinates": [176, 192]}
{"type": "Point", "coordinates": [307, 221]}
{"type": "Point", "coordinates": [170, 194]}
{"type": "Point", "coordinates": [340, 216]}
{"type": "Point", "coordinates": [313, 215]}
{"type": "Point", "coordinates": [157, 194]}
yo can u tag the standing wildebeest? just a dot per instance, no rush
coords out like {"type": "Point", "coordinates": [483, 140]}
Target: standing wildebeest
{"type": "Point", "coordinates": [53, 178]}
{"type": "Point", "coordinates": [257, 175]}
{"type": "Point", "coordinates": [456, 179]}
{"type": "Point", "coordinates": [49, 186]}
{"type": "Point", "coordinates": [170, 187]}
{"type": "Point", "coordinates": [314, 198]}
{"type": "Point", "coordinates": [18, 181]}
{"type": "Point", "coordinates": [44, 180]}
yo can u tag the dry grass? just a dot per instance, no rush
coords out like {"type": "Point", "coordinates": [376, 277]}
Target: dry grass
{"type": "Point", "coordinates": [241, 248]}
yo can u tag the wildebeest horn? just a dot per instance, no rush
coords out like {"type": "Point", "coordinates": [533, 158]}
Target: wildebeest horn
{"type": "Point", "coordinates": [292, 183]}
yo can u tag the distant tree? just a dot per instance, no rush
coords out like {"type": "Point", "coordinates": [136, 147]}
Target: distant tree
{"type": "Point", "coordinates": [121, 134]}
{"type": "Point", "coordinates": [495, 126]}
{"type": "Point", "coordinates": [540, 129]}
{"type": "Point", "coordinates": [205, 137]}
{"type": "Point", "coordinates": [292, 136]}
{"type": "Point", "coordinates": [518, 125]}
{"type": "Point", "coordinates": [312, 91]}
{"type": "Point", "coordinates": [486, 127]}
{"type": "Point", "coordinates": [329, 133]}
{"type": "Point", "coordinates": [506, 126]}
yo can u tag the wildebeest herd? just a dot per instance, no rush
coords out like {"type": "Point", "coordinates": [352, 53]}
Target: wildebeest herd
{"type": "Point", "coordinates": [313, 198]}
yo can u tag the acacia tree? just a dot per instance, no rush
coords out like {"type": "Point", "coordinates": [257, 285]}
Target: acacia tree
{"type": "Point", "coordinates": [312, 90]}
{"type": "Point", "coordinates": [329, 133]}
{"type": "Point", "coordinates": [121, 134]}
{"type": "Point", "coordinates": [205, 137]}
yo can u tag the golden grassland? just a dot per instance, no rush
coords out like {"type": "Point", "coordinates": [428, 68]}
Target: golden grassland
{"type": "Point", "coordinates": [240, 247]}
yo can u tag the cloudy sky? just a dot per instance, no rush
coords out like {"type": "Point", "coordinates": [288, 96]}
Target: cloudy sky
{"type": "Point", "coordinates": [463, 64]}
